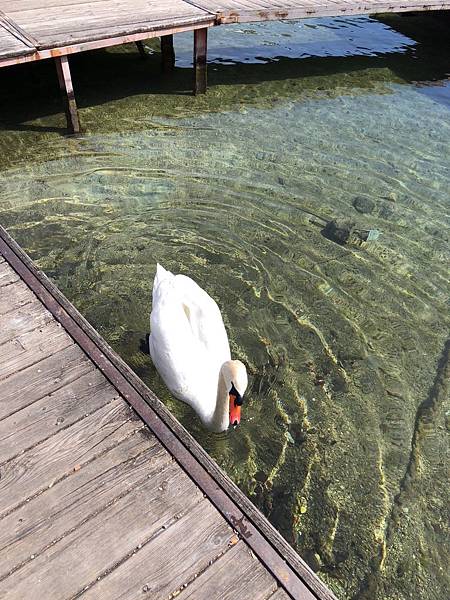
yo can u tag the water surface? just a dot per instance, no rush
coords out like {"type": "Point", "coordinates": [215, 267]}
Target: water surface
{"type": "Point", "coordinates": [302, 122]}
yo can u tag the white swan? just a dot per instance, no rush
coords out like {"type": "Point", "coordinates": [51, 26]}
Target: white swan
{"type": "Point", "coordinates": [189, 347]}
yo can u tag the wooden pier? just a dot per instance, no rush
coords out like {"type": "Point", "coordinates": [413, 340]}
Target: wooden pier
{"type": "Point", "coordinates": [103, 494]}
{"type": "Point", "coordinates": [33, 30]}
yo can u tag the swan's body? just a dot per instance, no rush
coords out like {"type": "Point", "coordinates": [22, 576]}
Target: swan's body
{"type": "Point", "coordinates": [189, 347]}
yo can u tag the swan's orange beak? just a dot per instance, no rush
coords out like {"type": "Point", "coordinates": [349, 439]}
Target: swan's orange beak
{"type": "Point", "coordinates": [235, 409]}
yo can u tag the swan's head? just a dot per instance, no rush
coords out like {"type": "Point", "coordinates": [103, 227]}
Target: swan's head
{"type": "Point", "coordinates": [235, 376]}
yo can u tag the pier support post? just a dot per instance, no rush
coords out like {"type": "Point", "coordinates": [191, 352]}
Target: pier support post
{"type": "Point", "coordinates": [140, 47]}
{"type": "Point", "coordinates": [66, 87]}
{"type": "Point", "coordinates": [167, 53]}
{"type": "Point", "coordinates": [200, 53]}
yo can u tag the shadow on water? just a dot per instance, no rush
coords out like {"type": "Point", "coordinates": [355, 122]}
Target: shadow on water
{"type": "Point", "coordinates": [30, 91]}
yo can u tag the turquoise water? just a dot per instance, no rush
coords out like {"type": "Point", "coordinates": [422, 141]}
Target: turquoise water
{"type": "Point", "coordinates": [302, 123]}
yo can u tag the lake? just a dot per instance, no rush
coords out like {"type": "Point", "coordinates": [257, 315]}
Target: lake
{"type": "Point", "coordinates": [344, 441]}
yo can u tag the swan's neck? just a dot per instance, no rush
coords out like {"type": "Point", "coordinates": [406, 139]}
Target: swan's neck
{"type": "Point", "coordinates": [221, 415]}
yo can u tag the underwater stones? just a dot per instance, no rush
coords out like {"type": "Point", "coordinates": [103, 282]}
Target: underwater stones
{"type": "Point", "coordinates": [297, 433]}
{"type": "Point", "coordinates": [345, 231]}
{"type": "Point", "coordinates": [392, 197]}
{"type": "Point", "coordinates": [339, 230]}
{"type": "Point", "coordinates": [363, 204]}
{"type": "Point", "coordinates": [260, 476]}
{"type": "Point", "coordinates": [314, 560]}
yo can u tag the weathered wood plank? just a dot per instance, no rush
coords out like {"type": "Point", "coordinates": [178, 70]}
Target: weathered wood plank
{"type": "Point", "coordinates": [280, 594]}
{"type": "Point", "coordinates": [36, 470]}
{"type": "Point", "coordinates": [11, 45]}
{"type": "Point", "coordinates": [7, 276]}
{"type": "Point", "coordinates": [81, 21]}
{"type": "Point", "coordinates": [24, 319]}
{"type": "Point", "coordinates": [18, 294]}
{"type": "Point", "coordinates": [171, 560]}
{"type": "Point", "coordinates": [107, 539]}
{"type": "Point", "coordinates": [31, 347]}
{"type": "Point", "coordinates": [29, 426]}
{"type": "Point", "coordinates": [47, 517]}
{"type": "Point", "coordinates": [232, 11]}
{"type": "Point", "coordinates": [47, 376]}
{"type": "Point", "coordinates": [237, 574]}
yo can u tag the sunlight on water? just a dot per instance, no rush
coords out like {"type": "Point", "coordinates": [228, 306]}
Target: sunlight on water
{"type": "Point", "coordinates": [341, 341]}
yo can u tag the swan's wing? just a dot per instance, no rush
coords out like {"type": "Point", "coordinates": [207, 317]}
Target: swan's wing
{"type": "Point", "coordinates": [188, 342]}
{"type": "Point", "coordinates": [173, 348]}
{"type": "Point", "coordinates": [205, 319]}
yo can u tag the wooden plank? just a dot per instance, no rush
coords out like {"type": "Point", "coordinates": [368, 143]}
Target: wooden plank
{"type": "Point", "coordinates": [30, 348]}
{"type": "Point", "coordinates": [18, 294]}
{"type": "Point", "coordinates": [7, 276]}
{"type": "Point", "coordinates": [36, 470]}
{"type": "Point", "coordinates": [232, 11]}
{"type": "Point", "coordinates": [44, 418]}
{"type": "Point", "coordinates": [23, 320]}
{"type": "Point", "coordinates": [17, 31]}
{"type": "Point", "coordinates": [237, 574]}
{"type": "Point", "coordinates": [280, 594]}
{"type": "Point", "coordinates": [47, 376]}
{"type": "Point", "coordinates": [200, 60]}
{"type": "Point", "coordinates": [63, 507]}
{"type": "Point", "coordinates": [170, 561]}
{"type": "Point", "coordinates": [10, 44]}
{"type": "Point", "coordinates": [106, 42]}
{"type": "Point", "coordinates": [83, 21]}
{"type": "Point", "coordinates": [106, 539]}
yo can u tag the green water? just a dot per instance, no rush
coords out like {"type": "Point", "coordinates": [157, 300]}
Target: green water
{"type": "Point", "coordinates": [342, 343]}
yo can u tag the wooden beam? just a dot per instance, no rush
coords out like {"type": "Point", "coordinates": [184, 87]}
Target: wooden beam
{"type": "Point", "coordinates": [167, 53]}
{"type": "Point", "coordinates": [200, 57]}
{"type": "Point", "coordinates": [66, 87]}
{"type": "Point", "coordinates": [141, 48]}
{"type": "Point", "coordinates": [45, 53]}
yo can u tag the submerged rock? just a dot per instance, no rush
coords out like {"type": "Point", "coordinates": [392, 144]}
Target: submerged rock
{"type": "Point", "coordinates": [363, 205]}
{"type": "Point", "coordinates": [339, 230]}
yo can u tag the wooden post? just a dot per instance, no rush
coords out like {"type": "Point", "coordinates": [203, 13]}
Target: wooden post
{"type": "Point", "coordinates": [167, 53]}
{"type": "Point", "coordinates": [65, 85]}
{"type": "Point", "coordinates": [142, 52]}
{"type": "Point", "coordinates": [200, 52]}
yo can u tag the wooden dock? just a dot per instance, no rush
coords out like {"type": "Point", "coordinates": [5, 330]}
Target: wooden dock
{"type": "Point", "coordinates": [103, 494]}
{"type": "Point", "coordinates": [33, 30]}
